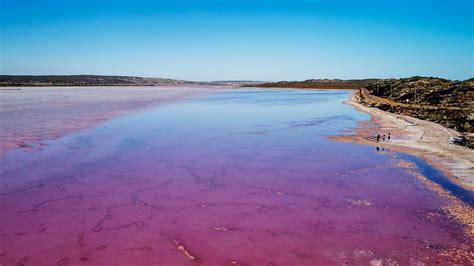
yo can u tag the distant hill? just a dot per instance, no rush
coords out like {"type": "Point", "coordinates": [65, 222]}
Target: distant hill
{"type": "Point", "coordinates": [86, 80]}
{"type": "Point", "coordinates": [320, 84]}
{"type": "Point", "coordinates": [240, 83]}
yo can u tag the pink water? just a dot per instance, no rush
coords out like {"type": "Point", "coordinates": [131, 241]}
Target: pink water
{"type": "Point", "coordinates": [239, 177]}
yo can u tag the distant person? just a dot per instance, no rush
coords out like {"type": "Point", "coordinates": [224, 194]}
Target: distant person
{"type": "Point", "coordinates": [388, 138]}
{"type": "Point", "coordinates": [378, 137]}
{"type": "Point", "coordinates": [383, 138]}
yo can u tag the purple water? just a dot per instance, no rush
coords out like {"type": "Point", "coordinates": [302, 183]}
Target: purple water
{"type": "Point", "coordinates": [239, 177]}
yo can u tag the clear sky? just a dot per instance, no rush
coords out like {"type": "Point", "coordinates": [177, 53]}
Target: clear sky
{"type": "Point", "coordinates": [227, 39]}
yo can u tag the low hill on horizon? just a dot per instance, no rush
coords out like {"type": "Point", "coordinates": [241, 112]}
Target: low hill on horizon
{"type": "Point", "coordinates": [320, 84]}
{"type": "Point", "coordinates": [104, 80]}
{"type": "Point", "coordinates": [86, 80]}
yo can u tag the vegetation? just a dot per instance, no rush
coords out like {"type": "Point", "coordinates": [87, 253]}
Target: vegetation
{"type": "Point", "coordinates": [85, 80]}
{"type": "Point", "coordinates": [320, 84]}
{"type": "Point", "coordinates": [449, 103]}
{"type": "Point", "coordinates": [426, 91]}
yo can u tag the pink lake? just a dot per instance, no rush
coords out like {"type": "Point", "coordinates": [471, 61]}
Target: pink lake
{"type": "Point", "coordinates": [238, 177]}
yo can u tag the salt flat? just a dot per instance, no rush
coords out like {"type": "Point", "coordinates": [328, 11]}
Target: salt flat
{"type": "Point", "coordinates": [30, 114]}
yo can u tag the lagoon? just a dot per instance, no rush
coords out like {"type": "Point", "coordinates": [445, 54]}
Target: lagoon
{"type": "Point", "coordinates": [236, 176]}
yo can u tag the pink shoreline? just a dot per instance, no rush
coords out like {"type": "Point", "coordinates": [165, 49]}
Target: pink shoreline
{"type": "Point", "coordinates": [165, 186]}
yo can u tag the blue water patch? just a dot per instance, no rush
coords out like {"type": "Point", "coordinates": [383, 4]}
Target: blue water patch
{"type": "Point", "coordinates": [436, 176]}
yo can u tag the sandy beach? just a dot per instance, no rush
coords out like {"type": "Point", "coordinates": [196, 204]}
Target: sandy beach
{"type": "Point", "coordinates": [424, 139]}
{"type": "Point", "coordinates": [32, 114]}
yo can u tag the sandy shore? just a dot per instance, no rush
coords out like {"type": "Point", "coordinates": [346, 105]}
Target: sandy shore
{"type": "Point", "coordinates": [32, 114]}
{"type": "Point", "coordinates": [425, 139]}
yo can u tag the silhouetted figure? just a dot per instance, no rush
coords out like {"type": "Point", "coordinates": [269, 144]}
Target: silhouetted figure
{"type": "Point", "coordinates": [378, 137]}
{"type": "Point", "coordinates": [378, 148]}
{"type": "Point", "coordinates": [383, 138]}
{"type": "Point", "coordinates": [388, 138]}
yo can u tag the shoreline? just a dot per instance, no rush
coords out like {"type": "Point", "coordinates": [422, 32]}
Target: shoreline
{"type": "Point", "coordinates": [426, 140]}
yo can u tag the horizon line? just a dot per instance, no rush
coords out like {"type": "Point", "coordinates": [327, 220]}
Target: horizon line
{"type": "Point", "coordinates": [225, 79]}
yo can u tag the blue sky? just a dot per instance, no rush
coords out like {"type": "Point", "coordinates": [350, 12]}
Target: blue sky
{"type": "Point", "coordinates": [256, 40]}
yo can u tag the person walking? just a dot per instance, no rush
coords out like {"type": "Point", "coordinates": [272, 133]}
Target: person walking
{"type": "Point", "coordinates": [383, 138]}
{"type": "Point", "coordinates": [388, 138]}
{"type": "Point", "coordinates": [378, 137]}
